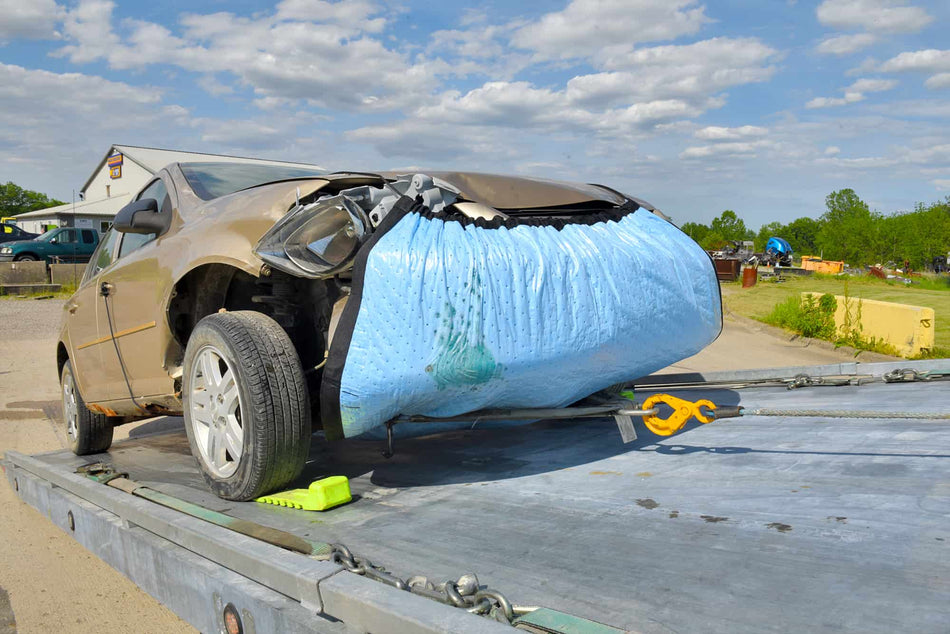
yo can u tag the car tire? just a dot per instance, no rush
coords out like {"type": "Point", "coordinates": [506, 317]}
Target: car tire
{"type": "Point", "coordinates": [29, 257]}
{"type": "Point", "coordinates": [246, 405]}
{"type": "Point", "coordinates": [87, 431]}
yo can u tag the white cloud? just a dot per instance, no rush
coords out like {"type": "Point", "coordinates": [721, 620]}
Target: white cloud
{"type": "Point", "coordinates": [642, 92]}
{"type": "Point", "coordinates": [882, 16]}
{"type": "Point", "coordinates": [853, 93]}
{"type": "Point", "coordinates": [845, 44]}
{"type": "Point", "coordinates": [716, 133]}
{"type": "Point", "coordinates": [310, 50]}
{"type": "Point", "coordinates": [690, 72]}
{"type": "Point", "coordinates": [832, 150]}
{"type": "Point", "coordinates": [743, 148]}
{"type": "Point", "coordinates": [927, 60]}
{"type": "Point", "coordinates": [29, 19]}
{"type": "Point", "coordinates": [833, 102]}
{"type": "Point", "coordinates": [871, 85]}
{"type": "Point", "coordinates": [938, 81]}
{"type": "Point", "coordinates": [942, 184]}
{"type": "Point", "coordinates": [65, 116]}
{"type": "Point", "coordinates": [591, 28]}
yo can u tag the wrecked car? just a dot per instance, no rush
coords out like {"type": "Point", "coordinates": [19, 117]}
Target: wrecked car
{"type": "Point", "coordinates": [264, 302]}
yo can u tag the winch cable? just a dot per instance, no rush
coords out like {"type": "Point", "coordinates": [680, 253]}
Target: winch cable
{"type": "Point", "coordinates": [105, 289]}
{"type": "Point", "coordinates": [902, 375]}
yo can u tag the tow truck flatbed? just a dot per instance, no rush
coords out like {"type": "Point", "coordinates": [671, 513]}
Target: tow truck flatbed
{"type": "Point", "coordinates": [752, 524]}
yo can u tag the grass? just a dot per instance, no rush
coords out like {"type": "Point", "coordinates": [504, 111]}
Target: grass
{"type": "Point", "coordinates": [760, 301]}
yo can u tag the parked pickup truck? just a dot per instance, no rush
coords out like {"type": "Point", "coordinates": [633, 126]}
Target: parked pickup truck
{"type": "Point", "coordinates": [67, 244]}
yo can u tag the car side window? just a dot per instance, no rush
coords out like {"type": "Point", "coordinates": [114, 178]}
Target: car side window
{"type": "Point", "coordinates": [87, 237]}
{"type": "Point", "coordinates": [66, 236]}
{"type": "Point", "coordinates": [103, 255]}
{"type": "Point", "coordinates": [133, 241]}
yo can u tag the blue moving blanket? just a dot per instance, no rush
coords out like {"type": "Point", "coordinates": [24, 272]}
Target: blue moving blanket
{"type": "Point", "coordinates": [456, 316]}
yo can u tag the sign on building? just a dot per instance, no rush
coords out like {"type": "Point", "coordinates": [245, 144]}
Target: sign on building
{"type": "Point", "coordinates": [115, 166]}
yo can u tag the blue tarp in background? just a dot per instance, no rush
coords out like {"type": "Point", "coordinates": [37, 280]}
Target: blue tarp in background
{"type": "Point", "coordinates": [455, 318]}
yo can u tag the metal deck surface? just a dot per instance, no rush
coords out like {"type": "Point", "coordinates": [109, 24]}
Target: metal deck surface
{"type": "Point", "coordinates": [744, 525]}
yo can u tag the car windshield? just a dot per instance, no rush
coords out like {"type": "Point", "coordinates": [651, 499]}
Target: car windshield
{"type": "Point", "coordinates": [212, 180]}
{"type": "Point", "coordinates": [49, 235]}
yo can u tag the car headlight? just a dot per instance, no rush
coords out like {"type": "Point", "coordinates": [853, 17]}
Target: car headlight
{"type": "Point", "coordinates": [315, 240]}
{"type": "Point", "coordinates": [6, 250]}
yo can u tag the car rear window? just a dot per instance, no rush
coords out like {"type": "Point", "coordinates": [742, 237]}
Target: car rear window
{"type": "Point", "coordinates": [88, 237]}
{"type": "Point", "coordinates": [213, 180]}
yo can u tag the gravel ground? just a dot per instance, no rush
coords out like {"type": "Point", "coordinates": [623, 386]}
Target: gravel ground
{"type": "Point", "coordinates": [54, 584]}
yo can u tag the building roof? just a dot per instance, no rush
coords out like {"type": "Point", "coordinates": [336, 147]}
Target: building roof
{"type": "Point", "coordinates": [105, 207]}
{"type": "Point", "coordinates": [153, 159]}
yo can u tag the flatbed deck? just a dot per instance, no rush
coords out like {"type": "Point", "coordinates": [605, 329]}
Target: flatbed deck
{"type": "Point", "coordinates": [753, 524]}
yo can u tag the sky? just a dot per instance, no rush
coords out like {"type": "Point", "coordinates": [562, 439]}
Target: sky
{"type": "Point", "coordinates": [760, 106]}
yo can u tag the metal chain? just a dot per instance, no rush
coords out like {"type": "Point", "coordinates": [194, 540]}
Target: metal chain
{"type": "Point", "coordinates": [464, 592]}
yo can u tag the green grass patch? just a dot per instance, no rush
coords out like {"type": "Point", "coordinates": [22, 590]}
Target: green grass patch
{"type": "Point", "coordinates": [765, 298]}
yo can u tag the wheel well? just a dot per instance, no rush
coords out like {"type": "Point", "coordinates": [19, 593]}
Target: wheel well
{"type": "Point", "coordinates": [302, 307]}
{"type": "Point", "coordinates": [62, 356]}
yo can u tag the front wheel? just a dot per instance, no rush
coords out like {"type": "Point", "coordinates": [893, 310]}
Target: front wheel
{"type": "Point", "coordinates": [26, 258]}
{"type": "Point", "coordinates": [246, 404]}
{"type": "Point", "coordinates": [87, 431]}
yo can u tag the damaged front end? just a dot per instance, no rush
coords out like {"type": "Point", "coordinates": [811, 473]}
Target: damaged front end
{"type": "Point", "coordinates": [457, 305]}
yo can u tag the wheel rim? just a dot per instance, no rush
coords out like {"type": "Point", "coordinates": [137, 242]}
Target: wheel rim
{"type": "Point", "coordinates": [215, 412]}
{"type": "Point", "coordinates": [70, 406]}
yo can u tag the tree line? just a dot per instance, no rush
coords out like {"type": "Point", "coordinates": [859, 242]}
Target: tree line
{"type": "Point", "coordinates": [847, 231]}
{"type": "Point", "coordinates": [16, 200]}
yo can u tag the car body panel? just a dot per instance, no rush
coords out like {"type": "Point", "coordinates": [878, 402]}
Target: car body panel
{"type": "Point", "coordinates": [511, 192]}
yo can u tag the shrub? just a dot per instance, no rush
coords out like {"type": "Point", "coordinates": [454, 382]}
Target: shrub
{"type": "Point", "coordinates": [806, 316]}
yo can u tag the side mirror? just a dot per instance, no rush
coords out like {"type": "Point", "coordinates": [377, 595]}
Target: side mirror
{"type": "Point", "coordinates": [139, 216]}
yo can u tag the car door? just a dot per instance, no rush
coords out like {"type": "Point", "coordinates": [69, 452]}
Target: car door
{"type": "Point", "coordinates": [86, 341]}
{"type": "Point", "coordinates": [135, 310]}
{"type": "Point", "coordinates": [65, 245]}
{"type": "Point", "coordinates": [88, 239]}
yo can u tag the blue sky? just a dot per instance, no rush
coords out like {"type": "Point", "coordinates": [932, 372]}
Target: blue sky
{"type": "Point", "coordinates": [760, 107]}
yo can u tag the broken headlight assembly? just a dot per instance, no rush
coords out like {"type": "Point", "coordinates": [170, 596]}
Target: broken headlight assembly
{"type": "Point", "coordinates": [315, 240]}
{"type": "Point", "coordinates": [321, 239]}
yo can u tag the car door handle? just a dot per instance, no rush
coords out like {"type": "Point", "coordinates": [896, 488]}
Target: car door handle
{"type": "Point", "coordinates": [71, 307]}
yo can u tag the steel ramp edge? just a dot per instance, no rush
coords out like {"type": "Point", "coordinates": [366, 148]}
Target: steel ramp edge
{"type": "Point", "coordinates": [196, 568]}
{"type": "Point", "coordinates": [848, 368]}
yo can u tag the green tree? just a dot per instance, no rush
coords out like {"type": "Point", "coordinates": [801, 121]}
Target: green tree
{"type": "Point", "coordinates": [713, 240]}
{"type": "Point", "coordinates": [695, 230]}
{"type": "Point", "coordinates": [730, 227]}
{"type": "Point", "coordinates": [16, 200]}
{"type": "Point", "coordinates": [849, 229]}
{"type": "Point", "coordinates": [802, 235]}
{"type": "Point", "coordinates": [916, 236]}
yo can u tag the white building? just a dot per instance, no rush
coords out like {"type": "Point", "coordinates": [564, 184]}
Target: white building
{"type": "Point", "coordinates": [122, 173]}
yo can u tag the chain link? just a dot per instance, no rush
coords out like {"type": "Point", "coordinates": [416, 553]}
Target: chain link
{"type": "Point", "coordinates": [464, 592]}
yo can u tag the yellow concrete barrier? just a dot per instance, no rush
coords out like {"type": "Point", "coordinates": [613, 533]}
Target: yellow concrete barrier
{"type": "Point", "coordinates": [910, 329]}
